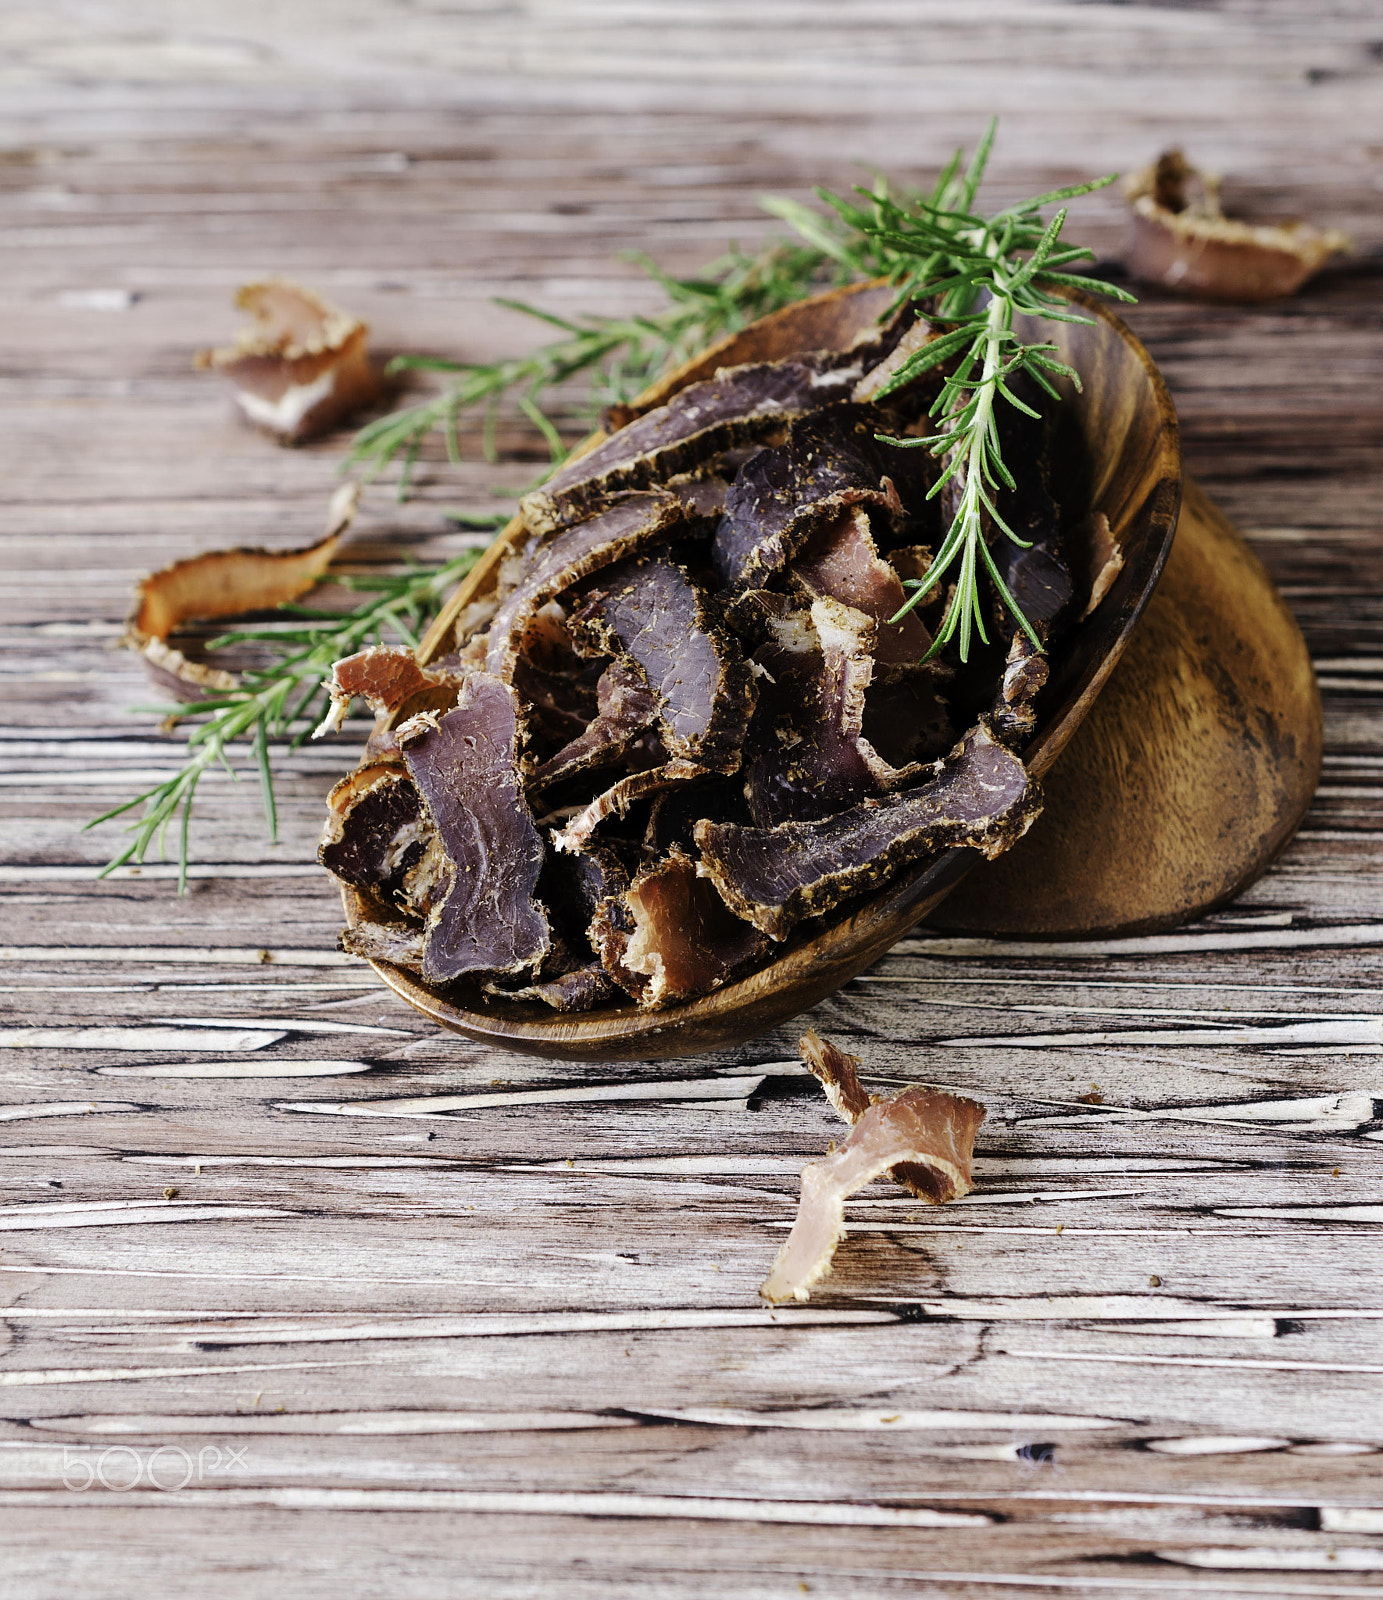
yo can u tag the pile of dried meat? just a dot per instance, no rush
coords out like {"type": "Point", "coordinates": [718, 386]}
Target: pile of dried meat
{"type": "Point", "coordinates": [683, 724]}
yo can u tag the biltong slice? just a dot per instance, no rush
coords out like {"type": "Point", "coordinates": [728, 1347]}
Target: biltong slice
{"type": "Point", "coordinates": [737, 405]}
{"type": "Point", "coordinates": [981, 797]}
{"type": "Point", "coordinates": [399, 943]}
{"type": "Point", "coordinates": [581, 989]}
{"type": "Point", "coordinates": [465, 764]}
{"type": "Point", "coordinates": [781, 496]}
{"type": "Point", "coordinates": [626, 706]}
{"type": "Point", "coordinates": [631, 523]}
{"type": "Point", "coordinates": [670, 936]}
{"type": "Point", "coordinates": [617, 799]}
{"type": "Point", "coordinates": [649, 610]}
{"type": "Point", "coordinates": [389, 680]}
{"type": "Point", "coordinates": [841, 561]}
{"type": "Point", "coordinates": [376, 829]}
{"type": "Point", "coordinates": [1014, 713]}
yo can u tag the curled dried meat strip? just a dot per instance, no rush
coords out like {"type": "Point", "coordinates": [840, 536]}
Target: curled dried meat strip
{"type": "Point", "coordinates": [839, 1076]}
{"type": "Point", "coordinates": [377, 827]}
{"type": "Point", "coordinates": [617, 799]}
{"type": "Point", "coordinates": [735, 406]}
{"type": "Point", "coordinates": [401, 944]}
{"type": "Point", "coordinates": [649, 610]}
{"type": "Point", "coordinates": [633, 521]}
{"type": "Point", "coordinates": [919, 1127]}
{"type": "Point", "coordinates": [669, 936]}
{"type": "Point", "coordinates": [1014, 713]}
{"type": "Point", "coordinates": [389, 680]}
{"type": "Point", "coordinates": [224, 583]}
{"type": "Point", "coordinates": [781, 496]}
{"type": "Point", "coordinates": [302, 364]}
{"type": "Point", "coordinates": [581, 989]}
{"type": "Point", "coordinates": [811, 757]}
{"type": "Point", "coordinates": [465, 764]}
{"type": "Point", "coordinates": [841, 563]}
{"type": "Point", "coordinates": [1106, 557]}
{"type": "Point", "coordinates": [626, 706]}
{"type": "Point", "coordinates": [1183, 240]}
{"type": "Point", "coordinates": [981, 797]}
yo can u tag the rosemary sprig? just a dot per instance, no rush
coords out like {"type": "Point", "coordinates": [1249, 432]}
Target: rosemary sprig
{"type": "Point", "coordinates": [279, 699]}
{"type": "Point", "coordinates": [620, 355]}
{"type": "Point", "coordinates": [972, 276]}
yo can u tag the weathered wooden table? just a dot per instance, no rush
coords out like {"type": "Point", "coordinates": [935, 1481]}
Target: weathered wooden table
{"type": "Point", "coordinates": [297, 1291]}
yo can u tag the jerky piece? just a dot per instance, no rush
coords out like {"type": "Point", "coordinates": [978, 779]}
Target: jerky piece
{"type": "Point", "coordinates": [401, 944]}
{"type": "Point", "coordinates": [581, 989]}
{"type": "Point", "coordinates": [626, 707]}
{"type": "Point", "coordinates": [907, 721]}
{"type": "Point", "coordinates": [465, 764]}
{"type": "Point", "coordinates": [981, 797]}
{"type": "Point", "coordinates": [811, 755]}
{"type": "Point", "coordinates": [377, 828]}
{"type": "Point", "coordinates": [888, 375]}
{"type": "Point", "coordinates": [675, 812]}
{"type": "Point", "coordinates": [672, 937]}
{"type": "Point", "coordinates": [842, 562]}
{"type": "Point", "coordinates": [301, 366]}
{"type": "Point", "coordinates": [632, 522]}
{"type": "Point", "coordinates": [922, 1127]}
{"type": "Point", "coordinates": [617, 799]}
{"type": "Point", "coordinates": [1182, 239]}
{"type": "Point", "coordinates": [1014, 715]}
{"type": "Point", "coordinates": [781, 496]}
{"type": "Point", "coordinates": [651, 611]}
{"type": "Point", "coordinates": [840, 1078]}
{"type": "Point", "coordinates": [389, 680]}
{"type": "Point", "coordinates": [702, 494]}
{"type": "Point", "coordinates": [737, 405]}
{"type": "Point", "coordinates": [224, 583]}
{"type": "Point", "coordinates": [1106, 558]}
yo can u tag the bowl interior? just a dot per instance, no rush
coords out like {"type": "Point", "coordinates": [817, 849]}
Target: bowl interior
{"type": "Point", "coordinates": [1116, 452]}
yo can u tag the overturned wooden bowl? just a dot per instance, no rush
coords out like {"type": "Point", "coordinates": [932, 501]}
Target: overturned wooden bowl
{"type": "Point", "coordinates": [1117, 452]}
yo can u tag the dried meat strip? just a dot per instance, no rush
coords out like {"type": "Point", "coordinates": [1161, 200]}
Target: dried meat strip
{"type": "Point", "coordinates": [839, 1076]}
{"type": "Point", "coordinates": [401, 944]}
{"type": "Point", "coordinates": [617, 799]}
{"type": "Point", "coordinates": [669, 937]}
{"type": "Point", "coordinates": [389, 680]}
{"type": "Point", "coordinates": [811, 757]}
{"type": "Point", "coordinates": [650, 611]}
{"type": "Point", "coordinates": [916, 1127]}
{"type": "Point", "coordinates": [842, 563]}
{"type": "Point", "coordinates": [781, 496]}
{"type": "Point", "coordinates": [1014, 713]}
{"type": "Point", "coordinates": [631, 523]}
{"type": "Point", "coordinates": [581, 989]}
{"type": "Point", "coordinates": [465, 764]}
{"type": "Point", "coordinates": [377, 828]}
{"type": "Point", "coordinates": [981, 797]}
{"type": "Point", "coordinates": [737, 405]}
{"type": "Point", "coordinates": [626, 708]}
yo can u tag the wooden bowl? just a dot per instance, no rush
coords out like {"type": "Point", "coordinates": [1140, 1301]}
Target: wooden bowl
{"type": "Point", "coordinates": [1117, 451]}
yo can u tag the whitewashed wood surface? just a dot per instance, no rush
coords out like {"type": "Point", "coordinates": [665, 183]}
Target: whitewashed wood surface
{"type": "Point", "coordinates": [323, 1302]}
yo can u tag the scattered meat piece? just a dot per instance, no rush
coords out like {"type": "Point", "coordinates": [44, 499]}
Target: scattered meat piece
{"type": "Point", "coordinates": [918, 1128]}
{"type": "Point", "coordinates": [1106, 558]}
{"type": "Point", "coordinates": [224, 583]}
{"type": "Point", "coordinates": [1183, 240]}
{"type": "Point", "coordinates": [617, 799]}
{"type": "Point", "coordinates": [399, 943]}
{"type": "Point", "coordinates": [1014, 714]}
{"type": "Point", "coordinates": [671, 937]}
{"type": "Point", "coordinates": [389, 680]}
{"type": "Point", "coordinates": [737, 405]}
{"type": "Point", "coordinates": [1040, 583]}
{"type": "Point", "coordinates": [675, 812]}
{"type": "Point", "coordinates": [650, 610]}
{"type": "Point", "coordinates": [626, 707]}
{"type": "Point", "coordinates": [838, 1073]}
{"type": "Point", "coordinates": [811, 755]}
{"type": "Point", "coordinates": [839, 1077]}
{"type": "Point", "coordinates": [574, 885]}
{"type": "Point", "coordinates": [301, 366]}
{"type": "Point", "coordinates": [633, 521]}
{"type": "Point", "coordinates": [781, 496]}
{"type": "Point", "coordinates": [702, 495]}
{"type": "Point", "coordinates": [465, 764]}
{"type": "Point", "coordinates": [376, 828]}
{"type": "Point", "coordinates": [981, 797]}
{"type": "Point", "coordinates": [841, 561]}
